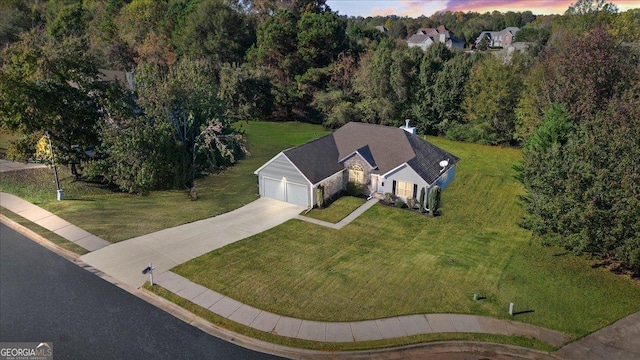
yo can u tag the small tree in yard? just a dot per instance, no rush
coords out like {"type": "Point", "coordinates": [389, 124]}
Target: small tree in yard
{"type": "Point", "coordinates": [422, 194]}
{"type": "Point", "coordinates": [434, 200]}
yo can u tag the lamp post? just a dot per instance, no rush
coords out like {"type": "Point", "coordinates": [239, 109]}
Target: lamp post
{"type": "Point", "coordinates": [60, 192]}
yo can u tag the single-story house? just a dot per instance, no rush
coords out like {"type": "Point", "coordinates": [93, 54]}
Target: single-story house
{"type": "Point", "coordinates": [382, 159]}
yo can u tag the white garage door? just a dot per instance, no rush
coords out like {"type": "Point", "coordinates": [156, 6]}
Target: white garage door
{"type": "Point", "coordinates": [273, 189]}
{"type": "Point", "coordinates": [297, 194]}
{"type": "Point", "coordinates": [286, 191]}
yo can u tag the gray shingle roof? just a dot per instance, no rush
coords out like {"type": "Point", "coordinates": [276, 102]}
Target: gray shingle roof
{"type": "Point", "coordinates": [383, 146]}
{"type": "Point", "coordinates": [418, 39]}
{"type": "Point", "coordinates": [428, 157]}
{"type": "Point", "coordinates": [317, 159]}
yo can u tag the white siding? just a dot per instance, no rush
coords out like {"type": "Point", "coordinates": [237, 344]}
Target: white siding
{"type": "Point", "coordinates": [280, 167]}
{"type": "Point", "coordinates": [280, 180]}
{"type": "Point", "coordinates": [406, 174]}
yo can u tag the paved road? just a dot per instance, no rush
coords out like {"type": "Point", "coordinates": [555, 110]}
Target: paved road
{"type": "Point", "coordinates": [6, 165]}
{"type": "Point", "coordinates": [44, 297]}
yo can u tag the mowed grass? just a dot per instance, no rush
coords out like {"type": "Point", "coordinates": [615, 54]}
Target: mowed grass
{"type": "Point", "coordinates": [337, 210]}
{"type": "Point", "coordinates": [394, 262]}
{"type": "Point", "coordinates": [120, 216]}
{"type": "Point", "coordinates": [354, 346]}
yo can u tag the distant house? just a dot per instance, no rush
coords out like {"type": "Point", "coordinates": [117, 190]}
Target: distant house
{"type": "Point", "coordinates": [382, 159]}
{"type": "Point", "coordinates": [382, 29]}
{"type": "Point", "coordinates": [501, 38]}
{"type": "Point", "coordinates": [125, 79]}
{"type": "Point", "coordinates": [425, 37]}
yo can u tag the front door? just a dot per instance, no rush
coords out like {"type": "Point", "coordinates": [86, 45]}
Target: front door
{"type": "Point", "coordinates": [374, 183]}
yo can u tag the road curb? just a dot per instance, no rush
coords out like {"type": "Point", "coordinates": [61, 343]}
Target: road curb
{"type": "Point", "coordinates": [439, 349]}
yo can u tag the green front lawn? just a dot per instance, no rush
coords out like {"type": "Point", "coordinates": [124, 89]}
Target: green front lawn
{"type": "Point", "coordinates": [354, 346]}
{"type": "Point", "coordinates": [337, 210]}
{"type": "Point", "coordinates": [394, 262]}
{"type": "Point", "coordinates": [117, 216]}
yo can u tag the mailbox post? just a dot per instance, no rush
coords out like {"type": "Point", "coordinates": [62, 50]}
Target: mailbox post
{"type": "Point", "coordinates": [149, 270]}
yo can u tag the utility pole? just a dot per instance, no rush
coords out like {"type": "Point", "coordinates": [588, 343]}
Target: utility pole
{"type": "Point", "coordinates": [60, 192]}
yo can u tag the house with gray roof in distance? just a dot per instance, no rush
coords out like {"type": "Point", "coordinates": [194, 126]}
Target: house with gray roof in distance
{"type": "Point", "coordinates": [123, 78]}
{"type": "Point", "coordinates": [382, 159]}
{"type": "Point", "coordinates": [425, 37]}
{"type": "Point", "coordinates": [501, 38]}
{"type": "Point", "coordinates": [382, 29]}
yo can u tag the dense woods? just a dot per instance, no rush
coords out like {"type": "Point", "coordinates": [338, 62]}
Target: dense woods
{"type": "Point", "coordinates": [571, 99]}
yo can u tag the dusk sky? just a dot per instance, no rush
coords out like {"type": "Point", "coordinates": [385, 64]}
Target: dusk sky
{"type": "Point", "coordinates": [415, 8]}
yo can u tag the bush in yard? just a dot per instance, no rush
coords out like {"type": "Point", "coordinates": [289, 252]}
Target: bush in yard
{"type": "Point", "coordinates": [389, 198]}
{"type": "Point", "coordinates": [354, 189]}
{"type": "Point", "coordinates": [422, 195]}
{"type": "Point", "coordinates": [399, 203]}
{"type": "Point", "coordinates": [434, 200]}
{"type": "Point", "coordinates": [412, 203]}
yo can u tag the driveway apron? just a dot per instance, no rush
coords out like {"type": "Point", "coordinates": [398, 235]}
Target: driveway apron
{"type": "Point", "coordinates": [167, 248]}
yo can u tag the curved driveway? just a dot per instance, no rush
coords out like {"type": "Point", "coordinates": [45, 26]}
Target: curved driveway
{"type": "Point", "coordinates": [167, 248]}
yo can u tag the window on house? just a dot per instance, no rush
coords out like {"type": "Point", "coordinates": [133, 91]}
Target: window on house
{"type": "Point", "coordinates": [356, 174]}
{"type": "Point", "coordinates": [404, 189]}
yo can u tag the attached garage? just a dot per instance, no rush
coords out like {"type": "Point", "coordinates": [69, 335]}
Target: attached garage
{"type": "Point", "coordinates": [279, 179]}
{"type": "Point", "coordinates": [297, 194]}
{"type": "Point", "coordinates": [274, 188]}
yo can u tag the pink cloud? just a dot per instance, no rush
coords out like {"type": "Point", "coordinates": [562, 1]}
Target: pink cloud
{"type": "Point", "coordinates": [415, 8]}
{"type": "Point", "coordinates": [376, 11]}
{"type": "Point", "coordinates": [535, 6]}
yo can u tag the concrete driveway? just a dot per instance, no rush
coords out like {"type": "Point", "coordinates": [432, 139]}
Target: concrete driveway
{"type": "Point", "coordinates": [167, 248]}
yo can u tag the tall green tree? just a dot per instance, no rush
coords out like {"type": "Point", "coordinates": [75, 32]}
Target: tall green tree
{"type": "Point", "coordinates": [246, 92]}
{"type": "Point", "coordinates": [544, 171]}
{"type": "Point", "coordinates": [626, 26]}
{"type": "Point", "coordinates": [491, 96]}
{"type": "Point", "coordinates": [582, 182]}
{"type": "Point", "coordinates": [139, 18]}
{"type": "Point", "coordinates": [403, 76]}
{"type": "Point", "coordinates": [275, 52]}
{"type": "Point", "coordinates": [179, 130]}
{"type": "Point", "coordinates": [216, 31]}
{"type": "Point", "coordinates": [372, 83]}
{"type": "Point", "coordinates": [16, 17]}
{"type": "Point", "coordinates": [320, 39]}
{"type": "Point", "coordinates": [70, 21]}
{"type": "Point", "coordinates": [431, 65]}
{"type": "Point", "coordinates": [51, 85]}
{"type": "Point", "coordinates": [449, 92]}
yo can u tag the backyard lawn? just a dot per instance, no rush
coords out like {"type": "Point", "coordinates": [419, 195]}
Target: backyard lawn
{"type": "Point", "coordinates": [393, 262]}
{"type": "Point", "coordinates": [118, 216]}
